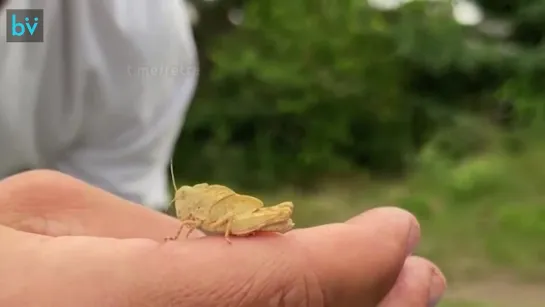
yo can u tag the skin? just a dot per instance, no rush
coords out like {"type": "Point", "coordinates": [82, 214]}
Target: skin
{"type": "Point", "coordinates": [71, 244]}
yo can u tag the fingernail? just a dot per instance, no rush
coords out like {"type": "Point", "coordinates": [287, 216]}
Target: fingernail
{"type": "Point", "coordinates": [414, 236]}
{"type": "Point", "coordinates": [437, 288]}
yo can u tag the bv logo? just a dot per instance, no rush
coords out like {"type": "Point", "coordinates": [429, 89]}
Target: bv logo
{"type": "Point", "coordinates": [25, 26]}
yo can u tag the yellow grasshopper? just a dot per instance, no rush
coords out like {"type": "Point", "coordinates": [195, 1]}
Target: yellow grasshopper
{"type": "Point", "coordinates": [216, 209]}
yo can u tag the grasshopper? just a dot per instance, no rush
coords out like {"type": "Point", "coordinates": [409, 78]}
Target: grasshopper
{"type": "Point", "coordinates": [216, 209]}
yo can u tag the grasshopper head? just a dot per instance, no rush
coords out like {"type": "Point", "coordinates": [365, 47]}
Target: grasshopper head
{"type": "Point", "coordinates": [187, 200]}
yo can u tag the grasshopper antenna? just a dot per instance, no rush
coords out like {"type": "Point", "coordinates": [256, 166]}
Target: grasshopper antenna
{"type": "Point", "coordinates": [173, 181]}
{"type": "Point", "coordinates": [172, 175]}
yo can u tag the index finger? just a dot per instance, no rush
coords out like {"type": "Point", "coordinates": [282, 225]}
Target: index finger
{"type": "Point", "coordinates": [52, 203]}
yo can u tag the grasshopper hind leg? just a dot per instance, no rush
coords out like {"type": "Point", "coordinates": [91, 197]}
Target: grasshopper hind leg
{"type": "Point", "coordinates": [228, 230]}
{"type": "Point", "coordinates": [226, 220]}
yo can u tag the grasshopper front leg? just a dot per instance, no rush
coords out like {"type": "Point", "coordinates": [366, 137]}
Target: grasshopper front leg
{"type": "Point", "coordinates": [191, 224]}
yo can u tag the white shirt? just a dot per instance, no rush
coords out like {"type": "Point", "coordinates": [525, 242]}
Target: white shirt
{"type": "Point", "coordinates": [103, 97]}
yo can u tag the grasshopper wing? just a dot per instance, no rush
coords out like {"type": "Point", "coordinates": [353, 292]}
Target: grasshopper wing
{"type": "Point", "coordinates": [235, 204]}
{"type": "Point", "coordinates": [274, 218]}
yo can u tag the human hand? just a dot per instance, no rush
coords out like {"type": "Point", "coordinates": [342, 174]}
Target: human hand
{"type": "Point", "coordinates": [66, 243]}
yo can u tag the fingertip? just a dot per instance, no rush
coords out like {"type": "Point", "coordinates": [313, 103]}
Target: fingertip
{"type": "Point", "coordinates": [402, 220]}
{"type": "Point", "coordinates": [391, 212]}
{"type": "Point", "coordinates": [420, 284]}
{"type": "Point", "coordinates": [412, 287]}
{"type": "Point", "coordinates": [438, 284]}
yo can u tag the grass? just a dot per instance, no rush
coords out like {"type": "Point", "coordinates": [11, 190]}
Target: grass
{"type": "Point", "coordinates": [469, 238]}
{"type": "Point", "coordinates": [463, 303]}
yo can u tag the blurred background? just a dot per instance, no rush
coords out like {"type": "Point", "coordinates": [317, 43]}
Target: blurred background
{"type": "Point", "coordinates": [344, 105]}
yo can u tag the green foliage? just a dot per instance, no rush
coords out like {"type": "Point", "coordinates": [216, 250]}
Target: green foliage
{"type": "Point", "coordinates": [305, 89]}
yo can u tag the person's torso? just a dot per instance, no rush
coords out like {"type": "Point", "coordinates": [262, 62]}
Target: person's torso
{"type": "Point", "coordinates": [42, 94]}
